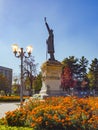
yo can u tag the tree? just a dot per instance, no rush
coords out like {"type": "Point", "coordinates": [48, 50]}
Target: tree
{"type": "Point", "coordinates": [91, 79]}
{"type": "Point", "coordinates": [66, 78]}
{"type": "Point", "coordinates": [30, 72]}
{"type": "Point", "coordinates": [16, 86]}
{"type": "Point", "coordinates": [72, 63]}
{"type": "Point", "coordinates": [38, 83]}
{"type": "Point", "coordinates": [69, 72]}
{"type": "Point", "coordinates": [74, 71]}
{"type": "Point", "coordinates": [93, 73]}
{"type": "Point", "coordinates": [4, 84]}
{"type": "Point", "coordinates": [83, 63]}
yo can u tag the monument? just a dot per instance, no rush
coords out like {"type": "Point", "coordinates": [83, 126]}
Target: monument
{"type": "Point", "coordinates": [51, 69]}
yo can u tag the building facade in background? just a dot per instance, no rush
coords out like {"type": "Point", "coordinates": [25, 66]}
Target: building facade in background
{"type": "Point", "coordinates": [7, 72]}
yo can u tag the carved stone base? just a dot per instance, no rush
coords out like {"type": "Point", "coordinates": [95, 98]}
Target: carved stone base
{"type": "Point", "coordinates": [51, 78]}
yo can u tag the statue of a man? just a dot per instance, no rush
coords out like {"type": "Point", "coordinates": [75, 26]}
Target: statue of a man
{"type": "Point", "coordinates": [50, 42]}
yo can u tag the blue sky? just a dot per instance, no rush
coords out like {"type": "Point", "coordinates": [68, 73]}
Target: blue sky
{"type": "Point", "coordinates": [75, 25]}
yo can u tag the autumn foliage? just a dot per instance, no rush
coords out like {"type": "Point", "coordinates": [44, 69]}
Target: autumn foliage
{"type": "Point", "coordinates": [67, 79]}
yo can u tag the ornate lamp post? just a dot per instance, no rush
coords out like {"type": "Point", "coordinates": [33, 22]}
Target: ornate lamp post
{"type": "Point", "coordinates": [20, 53]}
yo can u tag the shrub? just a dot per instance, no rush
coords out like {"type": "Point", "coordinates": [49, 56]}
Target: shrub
{"type": "Point", "coordinates": [31, 103]}
{"type": "Point", "coordinates": [64, 114]}
{"type": "Point", "coordinates": [57, 113]}
{"type": "Point", "coordinates": [16, 117]}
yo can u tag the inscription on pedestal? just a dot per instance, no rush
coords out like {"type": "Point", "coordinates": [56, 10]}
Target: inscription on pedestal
{"type": "Point", "coordinates": [51, 77]}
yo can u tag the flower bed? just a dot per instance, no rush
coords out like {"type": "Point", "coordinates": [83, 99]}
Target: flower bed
{"type": "Point", "coordinates": [10, 98]}
{"type": "Point", "coordinates": [57, 113]}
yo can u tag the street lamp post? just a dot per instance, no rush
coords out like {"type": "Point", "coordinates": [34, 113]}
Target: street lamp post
{"type": "Point", "coordinates": [20, 53]}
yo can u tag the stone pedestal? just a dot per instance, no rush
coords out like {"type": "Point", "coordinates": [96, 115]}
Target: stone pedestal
{"type": "Point", "coordinates": [51, 78]}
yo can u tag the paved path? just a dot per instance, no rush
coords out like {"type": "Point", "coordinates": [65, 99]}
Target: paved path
{"type": "Point", "coordinates": [4, 107]}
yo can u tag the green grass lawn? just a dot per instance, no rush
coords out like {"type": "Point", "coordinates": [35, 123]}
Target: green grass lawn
{"type": "Point", "coordinates": [4, 127]}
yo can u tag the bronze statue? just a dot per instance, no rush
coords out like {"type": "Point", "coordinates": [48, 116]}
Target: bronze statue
{"type": "Point", "coordinates": [50, 41]}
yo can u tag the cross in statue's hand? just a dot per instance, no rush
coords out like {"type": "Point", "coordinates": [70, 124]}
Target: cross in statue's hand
{"type": "Point", "coordinates": [45, 19]}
